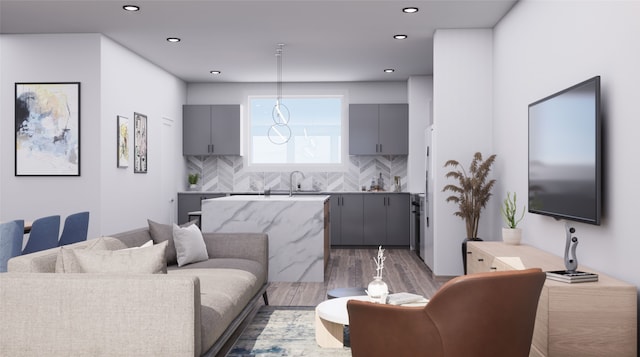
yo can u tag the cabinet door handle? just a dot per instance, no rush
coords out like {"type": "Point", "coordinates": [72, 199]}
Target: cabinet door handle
{"type": "Point", "coordinates": [213, 148]}
{"type": "Point", "coordinates": [469, 252]}
{"type": "Point", "coordinates": [480, 260]}
{"type": "Point", "coordinates": [380, 147]}
{"type": "Point", "coordinates": [493, 268]}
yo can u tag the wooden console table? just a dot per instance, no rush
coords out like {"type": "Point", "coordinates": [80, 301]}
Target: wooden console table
{"type": "Point", "coordinates": [579, 319]}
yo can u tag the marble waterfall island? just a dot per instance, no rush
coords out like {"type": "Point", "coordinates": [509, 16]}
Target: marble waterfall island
{"type": "Point", "coordinates": [298, 229]}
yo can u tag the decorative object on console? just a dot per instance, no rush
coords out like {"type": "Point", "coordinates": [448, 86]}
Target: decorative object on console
{"type": "Point", "coordinates": [140, 143]}
{"type": "Point", "coordinates": [47, 119]}
{"type": "Point", "coordinates": [123, 141]}
{"type": "Point", "coordinates": [471, 195]}
{"type": "Point", "coordinates": [378, 289]}
{"type": "Point", "coordinates": [572, 274]}
{"type": "Point", "coordinates": [511, 234]}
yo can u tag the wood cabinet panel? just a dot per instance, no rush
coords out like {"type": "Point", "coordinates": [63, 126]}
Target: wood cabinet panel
{"type": "Point", "coordinates": [580, 319]}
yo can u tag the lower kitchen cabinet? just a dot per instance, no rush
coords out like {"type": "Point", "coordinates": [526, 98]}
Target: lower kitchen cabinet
{"type": "Point", "coordinates": [191, 201]}
{"type": "Point", "coordinates": [365, 219]}
{"type": "Point", "coordinates": [387, 219]}
{"type": "Point", "coordinates": [346, 219]}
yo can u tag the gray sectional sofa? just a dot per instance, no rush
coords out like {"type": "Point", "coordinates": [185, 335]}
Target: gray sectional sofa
{"type": "Point", "coordinates": [190, 311]}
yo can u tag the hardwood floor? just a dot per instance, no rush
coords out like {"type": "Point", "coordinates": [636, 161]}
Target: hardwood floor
{"type": "Point", "coordinates": [403, 271]}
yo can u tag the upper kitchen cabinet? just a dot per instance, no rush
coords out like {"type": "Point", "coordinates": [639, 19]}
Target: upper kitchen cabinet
{"type": "Point", "coordinates": [378, 129]}
{"type": "Point", "coordinates": [211, 129]}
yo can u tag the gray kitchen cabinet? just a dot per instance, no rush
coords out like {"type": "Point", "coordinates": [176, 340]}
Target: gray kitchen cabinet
{"type": "Point", "coordinates": [387, 219]}
{"type": "Point", "coordinates": [346, 219]}
{"type": "Point", "coordinates": [211, 129]}
{"type": "Point", "coordinates": [378, 129]}
{"type": "Point", "coordinates": [375, 219]}
{"type": "Point", "coordinates": [398, 219]}
{"type": "Point", "coordinates": [192, 201]}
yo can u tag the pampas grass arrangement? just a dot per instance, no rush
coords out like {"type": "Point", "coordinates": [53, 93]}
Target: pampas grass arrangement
{"type": "Point", "coordinates": [472, 192]}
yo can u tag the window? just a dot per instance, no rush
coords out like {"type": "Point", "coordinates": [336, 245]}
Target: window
{"type": "Point", "coordinates": [315, 125]}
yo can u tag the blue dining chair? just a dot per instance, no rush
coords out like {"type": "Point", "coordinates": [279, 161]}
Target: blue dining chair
{"type": "Point", "coordinates": [11, 234]}
{"type": "Point", "coordinates": [44, 234]}
{"type": "Point", "coordinates": [75, 228]}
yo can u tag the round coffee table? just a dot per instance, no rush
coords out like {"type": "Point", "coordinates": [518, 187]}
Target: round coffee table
{"type": "Point", "coordinates": [331, 317]}
{"type": "Point", "coordinates": [344, 292]}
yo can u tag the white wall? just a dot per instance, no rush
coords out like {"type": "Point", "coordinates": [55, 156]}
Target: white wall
{"type": "Point", "coordinates": [131, 84]}
{"type": "Point", "coordinates": [51, 58]}
{"type": "Point", "coordinates": [542, 47]}
{"type": "Point", "coordinates": [113, 82]}
{"type": "Point", "coordinates": [420, 93]}
{"type": "Point", "coordinates": [462, 119]}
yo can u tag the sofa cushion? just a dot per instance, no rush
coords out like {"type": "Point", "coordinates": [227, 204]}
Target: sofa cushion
{"type": "Point", "coordinates": [164, 232]}
{"type": "Point", "coordinates": [102, 243]}
{"type": "Point", "coordinates": [135, 261]}
{"type": "Point", "coordinates": [224, 293]}
{"type": "Point", "coordinates": [190, 247]}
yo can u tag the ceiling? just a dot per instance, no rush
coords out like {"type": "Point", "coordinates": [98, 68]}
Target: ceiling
{"type": "Point", "coordinates": [325, 40]}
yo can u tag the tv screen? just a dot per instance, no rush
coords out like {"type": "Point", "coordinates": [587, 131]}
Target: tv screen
{"type": "Point", "coordinates": [564, 154]}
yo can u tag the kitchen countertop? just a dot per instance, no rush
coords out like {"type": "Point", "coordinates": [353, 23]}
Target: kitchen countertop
{"type": "Point", "coordinates": [282, 192]}
{"type": "Point", "coordinates": [280, 198]}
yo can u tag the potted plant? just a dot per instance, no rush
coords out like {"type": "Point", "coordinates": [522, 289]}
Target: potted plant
{"type": "Point", "coordinates": [193, 181]}
{"type": "Point", "coordinates": [511, 234]}
{"type": "Point", "coordinates": [471, 194]}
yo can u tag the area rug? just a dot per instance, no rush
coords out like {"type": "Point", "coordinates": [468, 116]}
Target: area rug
{"type": "Point", "coordinates": [282, 331]}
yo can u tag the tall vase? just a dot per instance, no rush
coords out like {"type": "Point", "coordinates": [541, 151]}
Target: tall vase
{"type": "Point", "coordinates": [464, 251]}
{"type": "Point", "coordinates": [378, 290]}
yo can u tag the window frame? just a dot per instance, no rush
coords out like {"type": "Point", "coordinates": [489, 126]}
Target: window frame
{"type": "Point", "coordinates": [315, 167]}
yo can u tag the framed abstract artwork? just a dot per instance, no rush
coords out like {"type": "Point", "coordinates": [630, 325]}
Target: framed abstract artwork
{"type": "Point", "coordinates": [47, 128]}
{"type": "Point", "coordinates": [123, 141]}
{"type": "Point", "coordinates": [140, 143]}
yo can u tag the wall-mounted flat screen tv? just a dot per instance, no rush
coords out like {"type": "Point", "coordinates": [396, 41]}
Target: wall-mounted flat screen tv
{"type": "Point", "coordinates": [565, 154]}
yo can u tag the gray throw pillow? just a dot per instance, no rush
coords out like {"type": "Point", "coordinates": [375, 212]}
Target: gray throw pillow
{"type": "Point", "coordinates": [190, 247]}
{"type": "Point", "coordinates": [164, 232]}
{"type": "Point", "coordinates": [70, 266]}
{"type": "Point", "coordinates": [149, 260]}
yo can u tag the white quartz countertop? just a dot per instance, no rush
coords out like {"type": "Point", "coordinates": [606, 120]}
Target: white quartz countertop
{"type": "Point", "coordinates": [273, 198]}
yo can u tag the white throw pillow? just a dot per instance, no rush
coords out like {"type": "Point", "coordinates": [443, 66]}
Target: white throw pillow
{"type": "Point", "coordinates": [133, 261]}
{"type": "Point", "coordinates": [190, 247]}
{"type": "Point", "coordinates": [148, 244]}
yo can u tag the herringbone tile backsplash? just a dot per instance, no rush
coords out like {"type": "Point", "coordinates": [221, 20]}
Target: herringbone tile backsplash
{"type": "Point", "coordinates": [227, 174]}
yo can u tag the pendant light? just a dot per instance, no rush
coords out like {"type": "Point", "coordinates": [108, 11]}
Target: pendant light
{"type": "Point", "coordinates": [279, 133]}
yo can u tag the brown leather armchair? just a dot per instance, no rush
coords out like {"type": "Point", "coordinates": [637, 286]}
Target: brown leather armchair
{"type": "Point", "coordinates": [486, 314]}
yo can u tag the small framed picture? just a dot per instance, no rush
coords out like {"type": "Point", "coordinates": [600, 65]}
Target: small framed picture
{"type": "Point", "coordinates": [123, 141]}
{"type": "Point", "coordinates": [47, 129]}
{"type": "Point", "coordinates": [140, 143]}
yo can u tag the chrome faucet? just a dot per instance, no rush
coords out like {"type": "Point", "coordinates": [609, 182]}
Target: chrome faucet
{"type": "Point", "coordinates": [291, 181]}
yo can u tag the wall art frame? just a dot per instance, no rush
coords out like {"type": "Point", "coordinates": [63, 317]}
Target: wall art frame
{"type": "Point", "coordinates": [122, 142]}
{"type": "Point", "coordinates": [140, 143]}
{"type": "Point", "coordinates": [47, 129]}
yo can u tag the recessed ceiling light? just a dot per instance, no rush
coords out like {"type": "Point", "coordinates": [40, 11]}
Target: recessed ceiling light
{"type": "Point", "coordinates": [173, 39]}
{"type": "Point", "coordinates": [389, 70]}
{"type": "Point", "coordinates": [410, 10]}
{"type": "Point", "coordinates": [131, 7]}
{"type": "Point", "coordinates": [215, 72]}
{"type": "Point", "coordinates": [400, 37]}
